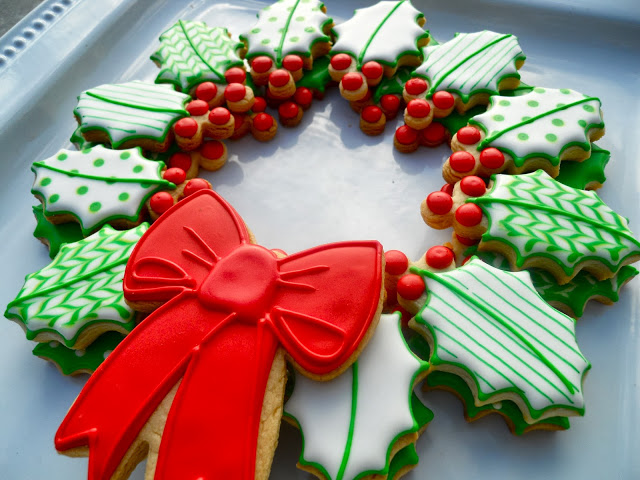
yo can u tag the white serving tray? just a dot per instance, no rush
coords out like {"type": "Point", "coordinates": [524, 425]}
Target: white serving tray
{"type": "Point", "coordinates": [325, 181]}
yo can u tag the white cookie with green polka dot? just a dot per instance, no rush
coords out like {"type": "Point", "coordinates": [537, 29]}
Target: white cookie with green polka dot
{"type": "Point", "coordinates": [97, 185]}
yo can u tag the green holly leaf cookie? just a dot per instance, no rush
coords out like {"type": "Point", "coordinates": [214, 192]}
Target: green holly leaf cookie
{"type": "Point", "coordinates": [349, 423]}
{"type": "Point", "coordinates": [318, 77]}
{"type": "Point", "coordinates": [569, 229]}
{"type": "Point", "coordinates": [392, 85]}
{"type": "Point", "coordinates": [192, 53]}
{"type": "Point", "coordinates": [588, 174]}
{"type": "Point", "coordinates": [97, 185]}
{"type": "Point", "coordinates": [492, 329]}
{"type": "Point", "coordinates": [55, 235]}
{"type": "Point", "coordinates": [74, 362]}
{"type": "Point", "coordinates": [287, 27]}
{"type": "Point", "coordinates": [79, 295]}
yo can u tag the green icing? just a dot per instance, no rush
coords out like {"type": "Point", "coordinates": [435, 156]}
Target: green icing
{"type": "Point", "coordinates": [456, 120]}
{"type": "Point", "coordinates": [405, 457]}
{"type": "Point", "coordinates": [71, 361]}
{"type": "Point", "coordinates": [393, 85]}
{"type": "Point", "coordinates": [588, 174]}
{"type": "Point", "coordinates": [318, 77]}
{"type": "Point", "coordinates": [55, 235]}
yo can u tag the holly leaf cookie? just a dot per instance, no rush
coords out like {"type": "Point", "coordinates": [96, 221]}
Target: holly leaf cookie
{"type": "Point", "coordinates": [492, 329]}
{"type": "Point", "coordinates": [97, 186]}
{"type": "Point", "coordinates": [78, 296]}
{"type": "Point", "coordinates": [588, 174]}
{"type": "Point", "coordinates": [192, 53]}
{"type": "Point", "coordinates": [352, 423]}
{"type": "Point", "coordinates": [52, 235]}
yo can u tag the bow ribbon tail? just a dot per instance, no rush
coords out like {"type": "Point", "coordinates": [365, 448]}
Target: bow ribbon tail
{"type": "Point", "coordinates": [213, 424]}
{"type": "Point", "coordinates": [124, 391]}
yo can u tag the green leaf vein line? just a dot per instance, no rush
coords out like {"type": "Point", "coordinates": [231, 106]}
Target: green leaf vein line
{"type": "Point", "coordinates": [352, 423]}
{"type": "Point", "coordinates": [195, 50]}
{"type": "Point", "coordinates": [284, 33]}
{"type": "Point", "coordinates": [375, 32]}
{"type": "Point", "coordinates": [148, 108]}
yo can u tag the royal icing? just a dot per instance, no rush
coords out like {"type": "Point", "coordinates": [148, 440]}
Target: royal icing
{"type": "Point", "coordinates": [287, 27]}
{"type": "Point", "coordinates": [350, 422]}
{"type": "Point", "coordinates": [97, 185]}
{"type": "Point", "coordinates": [130, 111]}
{"type": "Point", "coordinates": [588, 174]}
{"type": "Point", "coordinates": [80, 288]}
{"type": "Point", "coordinates": [384, 32]}
{"type": "Point", "coordinates": [55, 235]}
{"type": "Point", "coordinates": [471, 63]}
{"type": "Point", "coordinates": [231, 306]}
{"type": "Point", "coordinates": [542, 123]}
{"type": "Point", "coordinates": [192, 53]}
{"type": "Point", "coordinates": [494, 328]}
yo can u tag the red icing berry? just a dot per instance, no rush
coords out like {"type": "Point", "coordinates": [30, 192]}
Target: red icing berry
{"type": "Point", "coordinates": [340, 61]}
{"type": "Point", "coordinates": [261, 64]}
{"type": "Point", "coordinates": [194, 185]}
{"type": "Point", "coordinates": [443, 100]}
{"type": "Point", "coordinates": [292, 63]}
{"type": "Point", "coordinates": [491, 158]}
{"type": "Point", "coordinates": [389, 102]}
{"type": "Point", "coordinates": [439, 257]}
{"type": "Point", "coordinates": [180, 160]}
{"type": "Point", "coordinates": [434, 133]}
{"type": "Point", "coordinates": [260, 105]}
{"type": "Point", "coordinates": [462, 161]}
{"type": "Point", "coordinates": [469, 215]}
{"type": "Point", "coordinates": [161, 202]}
{"type": "Point", "coordinates": [439, 203]}
{"type": "Point", "coordinates": [288, 110]}
{"type": "Point", "coordinates": [212, 149]}
{"type": "Point", "coordinates": [473, 186]}
{"type": "Point", "coordinates": [418, 108]}
{"type": "Point", "coordinates": [372, 70]}
{"type": "Point", "coordinates": [406, 135]}
{"type": "Point", "coordinates": [415, 86]}
{"type": "Point", "coordinates": [447, 188]}
{"type": "Point", "coordinates": [303, 96]}
{"type": "Point", "coordinates": [371, 114]}
{"type": "Point", "coordinates": [396, 262]}
{"type": "Point", "coordinates": [411, 286]}
{"type": "Point", "coordinates": [262, 122]}
{"type": "Point", "coordinates": [234, 92]}
{"type": "Point", "coordinates": [175, 175]}
{"type": "Point", "coordinates": [197, 107]}
{"type": "Point", "coordinates": [352, 81]}
{"type": "Point", "coordinates": [466, 241]}
{"type": "Point", "coordinates": [186, 127]}
{"type": "Point", "coordinates": [206, 91]}
{"type": "Point", "coordinates": [279, 78]}
{"type": "Point", "coordinates": [219, 116]}
{"type": "Point", "coordinates": [468, 135]}
{"type": "Point", "coordinates": [235, 75]}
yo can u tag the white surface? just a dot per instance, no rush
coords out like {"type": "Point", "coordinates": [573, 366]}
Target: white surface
{"type": "Point", "coordinates": [326, 181]}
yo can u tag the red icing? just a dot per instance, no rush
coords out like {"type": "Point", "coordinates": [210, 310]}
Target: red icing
{"type": "Point", "coordinates": [469, 215]}
{"type": "Point", "coordinates": [439, 203]}
{"type": "Point", "coordinates": [468, 135]}
{"type": "Point", "coordinates": [292, 62]}
{"type": "Point", "coordinates": [372, 70]}
{"type": "Point", "coordinates": [219, 116]}
{"type": "Point", "coordinates": [466, 241]}
{"type": "Point", "coordinates": [260, 105]}
{"type": "Point", "coordinates": [406, 135]}
{"type": "Point", "coordinates": [462, 161]}
{"type": "Point", "coordinates": [235, 75]}
{"type": "Point", "coordinates": [261, 64]}
{"type": "Point", "coordinates": [341, 61]}
{"type": "Point", "coordinates": [206, 91]}
{"type": "Point", "coordinates": [238, 120]}
{"type": "Point", "coordinates": [411, 286]}
{"type": "Point", "coordinates": [352, 81]}
{"type": "Point", "coordinates": [439, 257]}
{"type": "Point", "coordinates": [303, 96]}
{"type": "Point", "coordinates": [194, 185]}
{"type": "Point", "coordinates": [473, 186]}
{"type": "Point", "coordinates": [162, 201]}
{"type": "Point", "coordinates": [197, 107]}
{"type": "Point", "coordinates": [180, 160]}
{"type": "Point", "coordinates": [186, 127]}
{"type": "Point", "coordinates": [396, 262]}
{"type": "Point", "coordinates": [262, 122]}
{"type": "Point", "coordinates": [491, 158]}
{"type": "Point", "coordinates": [234, 92]}
{"type": "Point", "coordinates": [435, 133]}
{"type": "Point", "coordinates": [231, 305]}
{"type": "Point", "coordinates": [175, 175]}
{"type": "Point", "coordinates": [279, 78]}
{"type": "Point", "coordinates": [418, 108]}
{"type": "Point", "coordinates": [447, 188]}
{"type": "Point", "coordinates": [415, 86]}
{"type": "Point", "coordinates": [443, 100]}
{"type": "Point", "coordinates": [389, 102]}
{"type": "Point", "coordinates": [371, 113]}
{"type": "Point", "coordinates": [212, 149]}
{"type": "Point", "coordinates": [288, 110]}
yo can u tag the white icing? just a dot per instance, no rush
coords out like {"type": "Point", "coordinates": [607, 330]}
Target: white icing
{"type": "Point", "coordinates": [470, 63]}
{"type": "Point", "coordinates": [385, 373]}
{"type": "Point", "coordinates": [125, 113]}
{"type": "Point", "coordinates": [468, 336]}
{"type": "Point", "coordinates": [547, 135]}
{"type": "Point", "coordinates": [383, 32]}
{"type": "Point", "coordinates": [62, 192]}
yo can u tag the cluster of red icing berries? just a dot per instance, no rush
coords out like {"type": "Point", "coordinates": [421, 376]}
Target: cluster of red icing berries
{"type": "Point", "coordinates": [162, 201]}
{"type": "Point", "coordinates": [467, 160]}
